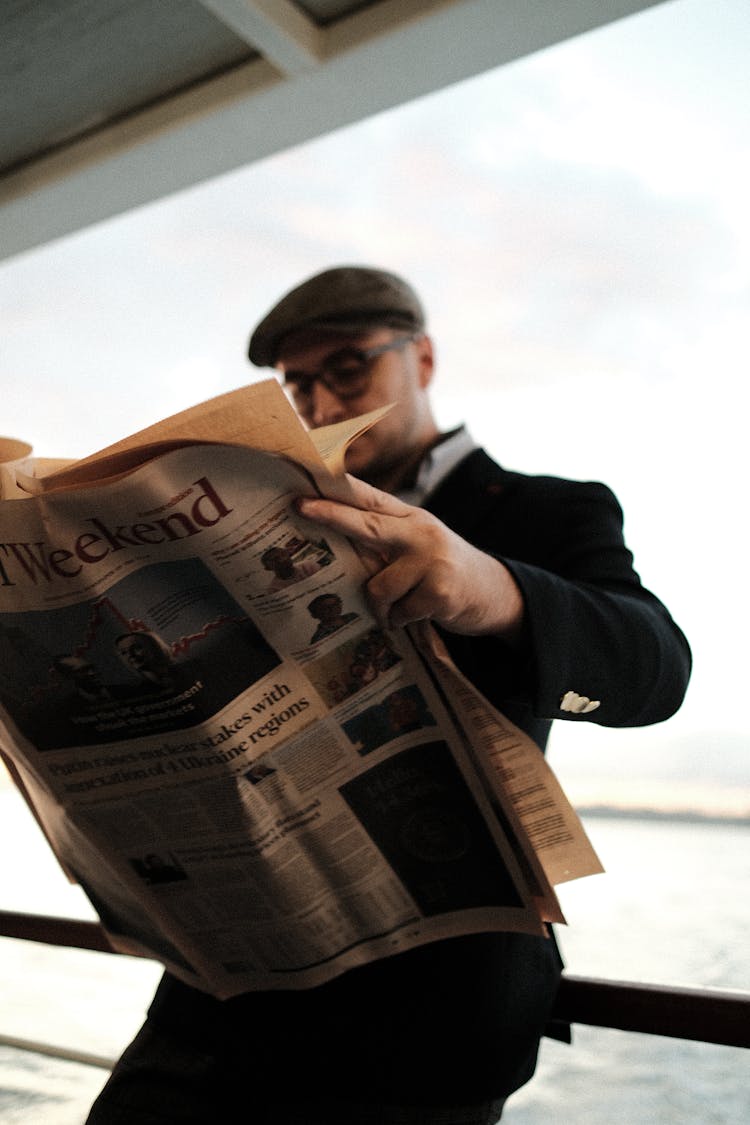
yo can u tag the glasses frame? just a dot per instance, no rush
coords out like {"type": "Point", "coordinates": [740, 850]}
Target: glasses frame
{"type": "Point", "coordinates": [301, 383]}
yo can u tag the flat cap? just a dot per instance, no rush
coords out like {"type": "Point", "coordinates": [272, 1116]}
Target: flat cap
{"type": "Point", "coordinates": [346, 299]}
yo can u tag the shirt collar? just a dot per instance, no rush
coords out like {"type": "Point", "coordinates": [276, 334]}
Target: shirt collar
{"type": "Point", "coordinates": [437, 463]}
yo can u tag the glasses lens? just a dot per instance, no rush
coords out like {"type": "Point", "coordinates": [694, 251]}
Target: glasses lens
{"type": "Point", "coordinates": [298, 383]}
{"type": "Point", "coordinates": [345, 373]}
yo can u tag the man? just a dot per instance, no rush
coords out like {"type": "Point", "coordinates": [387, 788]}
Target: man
{"type": "Point", "coordinates": [285, 571]}
{"type": "Point", "coordinates": [149, 657]}
{"type": "Point", "coordinates": [85, 677]}
{"type": "Point", "coordinates": [327, 609]}
{"type": "Point", "coordinates": [532, 588]}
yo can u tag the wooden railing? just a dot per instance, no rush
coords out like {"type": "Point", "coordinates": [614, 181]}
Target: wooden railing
{"type": "Point", "coordinates": [709, 1016]}
{"type": "Point", "coordinates": [706, 1015]}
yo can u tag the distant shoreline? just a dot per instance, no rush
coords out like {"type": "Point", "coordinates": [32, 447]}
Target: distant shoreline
{"type": "Point", "coordinates": [686, 816]}
{"type": "Point", "coordinates": [616, 812]}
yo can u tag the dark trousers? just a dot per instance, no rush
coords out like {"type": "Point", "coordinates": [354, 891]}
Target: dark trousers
{"type": "Point", "coordinates": [161, 1080]}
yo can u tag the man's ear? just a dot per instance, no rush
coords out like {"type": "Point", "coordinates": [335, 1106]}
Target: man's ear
{"type": "Point", "coordinates": [426, 359]}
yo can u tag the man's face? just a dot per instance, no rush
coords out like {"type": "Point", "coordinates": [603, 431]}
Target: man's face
{"type": "Point", "coordinates": [135, 653]}
{"type": "Point", "coordinates": [87, 675]}
{"type": "Point", "coordinates": [399, 376]}
{"type": "Point", "coordinates": [328, 609]}
{"type": "Point", "coordinates": [277, 560]}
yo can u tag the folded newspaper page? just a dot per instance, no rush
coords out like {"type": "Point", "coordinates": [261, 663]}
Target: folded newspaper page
{"type": "Point", "coordinates": [252, 781]}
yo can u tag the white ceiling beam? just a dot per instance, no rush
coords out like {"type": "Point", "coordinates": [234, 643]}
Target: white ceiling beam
{"type": "Point", "coordinates": [138, 137]}
{"type": "Point", "coordinates": [277, 29]}
{"type": "Point", "coordinates": [374, 61]}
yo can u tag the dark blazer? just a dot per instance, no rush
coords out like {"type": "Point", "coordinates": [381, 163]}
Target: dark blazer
{"type": "Point", "coordinates": [460, 1020]}
{"type": "Point", "coordinates": [591, 627]}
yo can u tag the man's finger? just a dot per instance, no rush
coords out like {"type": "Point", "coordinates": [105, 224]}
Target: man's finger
{"type": "Point", "coordinates": [367, 496]}
{"type": "Point", "coordinates": [364, 527]}
{"type": "Point", "coordinates": [364, 497]}
{"type": "Point", "coordinates": [370, 527]}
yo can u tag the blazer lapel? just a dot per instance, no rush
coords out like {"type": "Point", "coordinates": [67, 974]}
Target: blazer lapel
{"type": "Point", "coordinates": [468, 495]}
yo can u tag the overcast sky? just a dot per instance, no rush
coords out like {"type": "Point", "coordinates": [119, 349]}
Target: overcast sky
{"type": "Point", "coordinates": [577, 223]}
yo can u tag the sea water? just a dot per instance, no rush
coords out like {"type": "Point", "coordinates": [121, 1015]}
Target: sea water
{"type": "Point", "coordinates": [670, 909]}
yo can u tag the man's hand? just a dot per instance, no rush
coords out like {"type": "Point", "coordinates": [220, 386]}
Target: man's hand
{"type": "Point", "coordinates": [426, 571]}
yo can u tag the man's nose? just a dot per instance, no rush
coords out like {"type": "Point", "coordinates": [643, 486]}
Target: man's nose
{"type": "Point", "coordinates": [325, 406]}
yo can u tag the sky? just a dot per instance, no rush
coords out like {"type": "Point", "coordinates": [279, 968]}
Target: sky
{"type": "Point", "coordinates": [577, 224]}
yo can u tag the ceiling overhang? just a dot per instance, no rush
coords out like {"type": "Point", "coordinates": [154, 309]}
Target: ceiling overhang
{"type": "Point", "coordinates": [115, 104]}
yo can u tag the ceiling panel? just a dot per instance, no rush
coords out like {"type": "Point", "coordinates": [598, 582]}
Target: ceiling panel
{"type": "Point", "coordinates": [70, 66]}
{"type": "Point", "coordinates": [110, 104]}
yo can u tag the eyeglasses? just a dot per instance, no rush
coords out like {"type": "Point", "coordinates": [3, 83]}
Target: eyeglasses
{"type": "Point", "coordinates": [346, 373]}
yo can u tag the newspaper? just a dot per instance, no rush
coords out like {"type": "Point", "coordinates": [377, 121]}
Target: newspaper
{"type": "Point", "coordinates": [252, 781]}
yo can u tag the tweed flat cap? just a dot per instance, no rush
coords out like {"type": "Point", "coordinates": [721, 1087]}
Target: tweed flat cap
{"type": "Point", "coordinates": [346, 299]}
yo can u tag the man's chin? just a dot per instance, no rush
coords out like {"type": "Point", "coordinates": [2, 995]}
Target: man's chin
{"type": "Point", "coordinates": [358, 462]}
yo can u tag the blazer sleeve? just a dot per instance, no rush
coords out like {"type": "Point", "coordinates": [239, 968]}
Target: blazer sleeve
{"type": "Point", "coordinates": [591, 627]}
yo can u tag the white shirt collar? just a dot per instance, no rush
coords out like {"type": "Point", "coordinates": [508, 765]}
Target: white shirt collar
{"type": "Point", "coordinates": [437, 464]}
